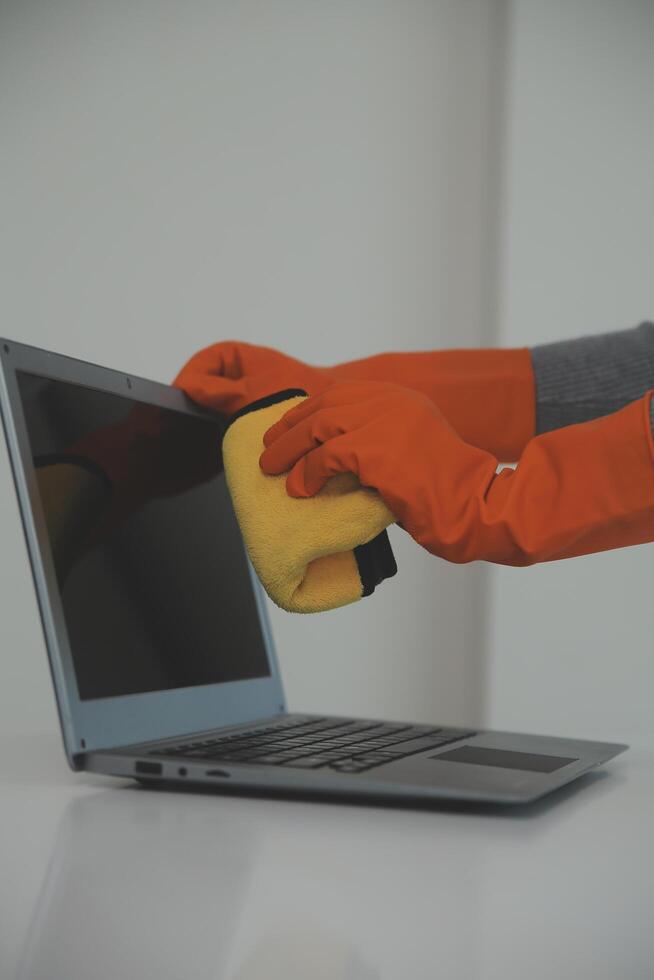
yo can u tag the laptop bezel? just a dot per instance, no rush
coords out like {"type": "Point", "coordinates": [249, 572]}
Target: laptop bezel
{"type": "Point", "coordinates": [115, 721]}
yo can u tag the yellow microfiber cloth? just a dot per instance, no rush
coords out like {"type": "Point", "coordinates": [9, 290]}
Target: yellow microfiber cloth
{"type": "Point", "coordinates": [311, 554]}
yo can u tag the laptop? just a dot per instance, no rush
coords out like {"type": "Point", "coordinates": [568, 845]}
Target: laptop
{"type": "Point", "coordinates": [160, 649]}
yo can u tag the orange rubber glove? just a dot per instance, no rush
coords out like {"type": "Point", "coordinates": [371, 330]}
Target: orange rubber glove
{"type": "Point", "coordinates": [576, 490]}
{"type": "Point", "coordinates": [488, 395]}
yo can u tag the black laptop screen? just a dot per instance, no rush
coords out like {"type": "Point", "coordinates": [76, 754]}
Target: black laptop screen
{"type": "Point", "coordinates": [149, 559]}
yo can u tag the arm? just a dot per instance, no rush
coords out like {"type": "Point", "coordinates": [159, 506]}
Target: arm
{"type": "Point", "coordinates": [582, 379]}
{"type": "Point", "coordinates": [496, 398]}
{"type": "Point", "coordinates": [579, 489]}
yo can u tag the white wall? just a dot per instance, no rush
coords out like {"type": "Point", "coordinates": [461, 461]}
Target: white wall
{"type": "Point", "coordinates": [570, 643]}
{"type": "Point", "coordinates": [313, 176]}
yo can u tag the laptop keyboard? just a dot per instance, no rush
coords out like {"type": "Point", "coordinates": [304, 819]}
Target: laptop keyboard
{"type": "Point", "coordinates": [319, 743]}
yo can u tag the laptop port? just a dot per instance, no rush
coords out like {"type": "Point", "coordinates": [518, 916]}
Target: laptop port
{"type": "Point", "coordinates": [217, 772]}
{"type": "Point", "coordinates": [149, 768]}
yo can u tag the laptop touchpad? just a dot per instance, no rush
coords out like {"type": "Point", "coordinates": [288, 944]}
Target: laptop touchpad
{"type": "Point", "coordinates": [528, 761]}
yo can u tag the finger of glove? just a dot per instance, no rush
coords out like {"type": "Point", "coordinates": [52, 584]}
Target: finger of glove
{"type": "Point", "coordinates": [219, 359]}
{"type": "Point", "coordinates": [282, 425]}
{"type": "Point", "coordinates": [339, 394]}
{"type": "Point", "coordinates": [220, 394]}
{"type": "Point", "coordinates": [313, 470]}
{"type": "Point", "coordinates": [310, 432]}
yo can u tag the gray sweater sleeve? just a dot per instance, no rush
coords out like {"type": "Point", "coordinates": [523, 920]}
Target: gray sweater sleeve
{"type": "Point", "coordinates": [582, 379]}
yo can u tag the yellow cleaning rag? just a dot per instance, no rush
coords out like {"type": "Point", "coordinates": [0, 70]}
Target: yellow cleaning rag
{"type": "Point", "coordinates": [311, 554]}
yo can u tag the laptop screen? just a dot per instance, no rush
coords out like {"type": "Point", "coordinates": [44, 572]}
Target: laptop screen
{"type": "Point", "coordinates": [150, 564]}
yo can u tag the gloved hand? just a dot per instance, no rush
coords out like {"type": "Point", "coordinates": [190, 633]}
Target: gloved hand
{"type": "Point", "coordinates": [310, 555]}
{"type": "Point", "coordinates": [230, 375]}
{"type": "Point", "coordinates": [488, 395]}
{"type": "Point", "coordinates": [576, 490]}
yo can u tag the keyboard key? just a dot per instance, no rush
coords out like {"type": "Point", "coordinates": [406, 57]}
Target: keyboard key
{"type": "Point", "coordinates": [271, 760]}
{"type": "Point", "coordinates": [378, 743]}
{"type": "Point", "coordinates": [297, 740]}
{"type": "Point", "coordinates": [350, 767]}
{"type": "Point", "coordinates": [346, 739]}
{"type": "Point", "coordinates": [412, 746]}
{"type": "Point", "coordinates": [307, 762]}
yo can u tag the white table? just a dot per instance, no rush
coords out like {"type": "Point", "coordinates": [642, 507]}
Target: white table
{"type": "Point", "coordinates": [102, 880]}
